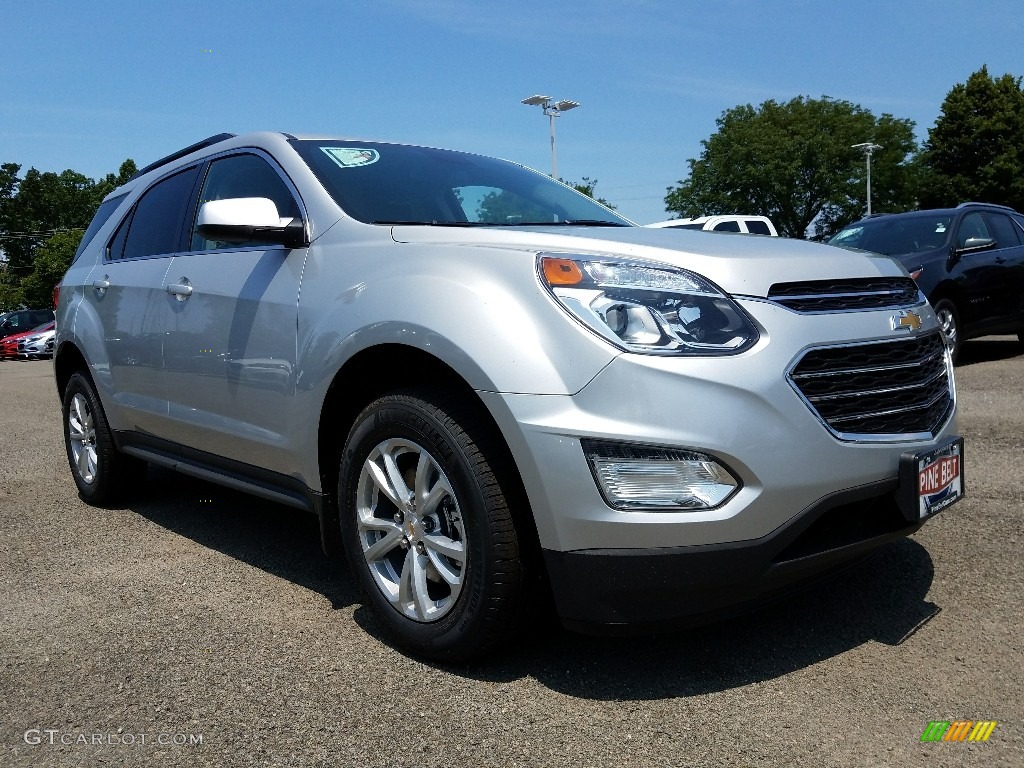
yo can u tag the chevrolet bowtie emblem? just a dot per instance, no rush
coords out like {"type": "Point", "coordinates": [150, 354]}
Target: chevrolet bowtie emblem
{"type": "Point", "coordinates": [907, 320]}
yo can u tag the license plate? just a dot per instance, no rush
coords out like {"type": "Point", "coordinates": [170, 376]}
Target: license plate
{"type": "Point", "coordinates": [932, 480]}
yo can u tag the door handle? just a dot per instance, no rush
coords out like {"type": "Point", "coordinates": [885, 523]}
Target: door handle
{"type": "Point", "coordinates": [180, 290]}
{"type": "Point", "coordinates": [100, 286]}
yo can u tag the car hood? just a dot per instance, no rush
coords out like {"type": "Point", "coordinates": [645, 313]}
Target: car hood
{"type": "Point", "coordinates": [740, 264]}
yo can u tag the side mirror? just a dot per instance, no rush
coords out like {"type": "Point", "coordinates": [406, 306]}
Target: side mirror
{"type": "Point", "coordinates": [249, 220]}
{"type": "Point", "coordinates": [975, 244]}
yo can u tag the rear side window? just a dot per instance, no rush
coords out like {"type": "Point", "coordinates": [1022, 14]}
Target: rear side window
{"type": "Point", "coordinates": [727, 226]}
{"type": "Point", "coordinates": [757, 227]}
{"type": "Point", "coordinates": [1003, 230]}
{"type": "Point", "coordinates": [155, 225]}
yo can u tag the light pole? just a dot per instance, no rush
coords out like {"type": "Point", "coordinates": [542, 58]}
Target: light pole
{"type": "Point", "coordinates": [552, 109]}
{"type": "Point", "coordinates": [867, 148]}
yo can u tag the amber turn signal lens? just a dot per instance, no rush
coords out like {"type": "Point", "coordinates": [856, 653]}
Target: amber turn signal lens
{"type": "Point", "coordinates": [562, 272]}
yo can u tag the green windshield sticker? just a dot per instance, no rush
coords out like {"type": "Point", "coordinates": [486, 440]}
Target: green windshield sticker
{"type": "Point", "coordinates": [350, 157]}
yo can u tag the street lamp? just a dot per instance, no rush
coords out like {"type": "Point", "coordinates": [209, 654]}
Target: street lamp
{"type": "Point", "coordinates": [552, 109]}
{"type": "Point", "coordinates": [867, 148]}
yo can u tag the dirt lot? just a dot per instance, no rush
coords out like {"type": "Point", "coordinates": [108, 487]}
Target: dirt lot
{"type": "Point", "coordinates": [201, 627]}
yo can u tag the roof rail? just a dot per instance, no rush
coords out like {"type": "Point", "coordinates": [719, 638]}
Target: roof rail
{"type": "Point", "coordinates": [182, 152]}
{"type": "Point", "coordinates": [990, 205]}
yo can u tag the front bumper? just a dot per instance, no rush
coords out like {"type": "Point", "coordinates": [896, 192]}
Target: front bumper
{"type": "Point", "coordinates": [622, 591]}
{"type": "Point", "coordinates": [808, 500]}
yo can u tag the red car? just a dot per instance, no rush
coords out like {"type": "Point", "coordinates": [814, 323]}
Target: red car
{"type": "Point", "coordinates": [9, 344]}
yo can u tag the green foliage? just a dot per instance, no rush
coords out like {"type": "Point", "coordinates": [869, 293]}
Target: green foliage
{"type": "Point", "coordinates": [50, 209]}
{"type": "Point", "coordinates": [794, 163]}
{"type": "Point", "coordinates": [51, 261]}
{"type": "Point", "coordinates": [587, 188]}
{"type": "Point", "coordinates": [975, 151]}
{"type": "Point", "coordinates": [508, 208]}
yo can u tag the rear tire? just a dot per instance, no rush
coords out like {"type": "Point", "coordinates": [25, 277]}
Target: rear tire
{"type": "Point", "coordinates": [102, 473]}
{"type": "Point", "coordinates": [427, 528]}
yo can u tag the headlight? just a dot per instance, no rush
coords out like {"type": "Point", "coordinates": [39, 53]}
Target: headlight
{"type": "Point", "coordinates": [647, 308]}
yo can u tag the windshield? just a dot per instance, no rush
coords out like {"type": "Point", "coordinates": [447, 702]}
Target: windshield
{"type": "Point", "coordinates": [398, 184]}
{"type": "Point", "coordinates": [896, 235]}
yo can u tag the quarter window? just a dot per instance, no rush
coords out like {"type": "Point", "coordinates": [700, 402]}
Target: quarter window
{"type": "Point", "coordinates": [105, 211]}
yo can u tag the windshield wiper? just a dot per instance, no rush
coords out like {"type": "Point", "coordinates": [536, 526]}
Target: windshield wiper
{"type": "Point", "coordinates": [399, 223]}
{"type": "Point", "coordinates": [591, 223]}
{"type": "Point", "coordinates": [566, 223]}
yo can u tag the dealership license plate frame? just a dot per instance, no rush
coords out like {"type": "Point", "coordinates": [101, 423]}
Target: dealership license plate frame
{"type": "Point", "coordinates": [916, 503]}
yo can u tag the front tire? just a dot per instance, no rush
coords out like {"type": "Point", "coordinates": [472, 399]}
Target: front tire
{"type": "Point", "coordinates": [949, 322]}
{"type": "Point", "coordinates": [100, 471]}
{"type": "Point", "coordinates": [427, 528]}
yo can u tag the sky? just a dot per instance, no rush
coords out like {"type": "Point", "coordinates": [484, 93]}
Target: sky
{"type": "Point", "coordinates": [87, 85]}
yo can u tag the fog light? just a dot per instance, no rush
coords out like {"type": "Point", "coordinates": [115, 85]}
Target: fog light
{"type": "Point", "coordinates": [666, 479]}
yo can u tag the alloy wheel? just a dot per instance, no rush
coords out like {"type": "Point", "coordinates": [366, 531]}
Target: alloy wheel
{"type": "Point", "coordinates": [82, 439]}
{"type": "Point", "coordinates": [410, 529]}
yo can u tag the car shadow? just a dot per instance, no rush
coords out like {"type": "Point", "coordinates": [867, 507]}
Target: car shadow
{"type": "Point", "coordinates": [989, 349]}
{"type": "Point", "coordinates": [277, 539]}
{"type": "Point", "coordinates": [881, 598]}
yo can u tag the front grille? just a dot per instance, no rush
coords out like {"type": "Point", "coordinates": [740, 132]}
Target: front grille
{"type": "Point", "coordinates": [884, 388]}
{"type": "Point", "coordinates": [842, 295]}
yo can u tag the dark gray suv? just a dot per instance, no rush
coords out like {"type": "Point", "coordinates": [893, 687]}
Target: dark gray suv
{"type": "Point", "coordinates": [968, 260]}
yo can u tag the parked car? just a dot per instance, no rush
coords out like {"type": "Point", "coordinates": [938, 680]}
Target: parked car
{"type": "Point", "coordinates": [968, 260]}
{"type": "Point", "coordinates": [488, 385]}
{"type": "Point", "coordinates": [37, 345]}
{"type": "Point", "coordinates": [22, 320]}
{"type": "Point", "coordinates": [9, 344]}
{"type": "Point", "coordinates": [749, 225]}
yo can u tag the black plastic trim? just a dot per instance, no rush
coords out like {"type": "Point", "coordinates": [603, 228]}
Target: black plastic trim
{"type": "Point", "coordinates": [626, 591]}
{"type": "Point", "coordinates": [207, 142]}
{"type": "Point", "coordinates": [264, 483]}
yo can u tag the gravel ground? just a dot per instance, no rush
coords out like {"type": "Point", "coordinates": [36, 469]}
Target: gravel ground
{"type": "Point", "coordinates": [197, 614]}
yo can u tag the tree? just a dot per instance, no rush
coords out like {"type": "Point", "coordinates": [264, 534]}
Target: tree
{"type": "Point", "coordinates": [508, 208]}
{"type": "Point", "coordinates": [43, 204]}
{"type": "Point", "coordinates": [35, 209]}
{"type": "Point", "coordinates": [587, 188]}
{"type": "Point", "coordinates": [110, 182]}
{"type": "Point", "coordinates": [51, 261]}
{"type": "Point", "coordinates": [794, 163]}
{"type": "Point", "coordinates": [975, 151]}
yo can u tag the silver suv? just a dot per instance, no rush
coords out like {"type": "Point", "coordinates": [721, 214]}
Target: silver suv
{"type": "Point", "coordinates": [491, 389]}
